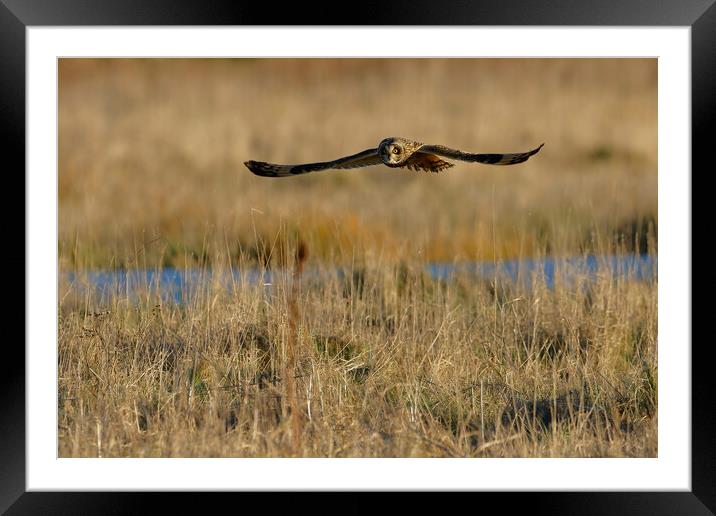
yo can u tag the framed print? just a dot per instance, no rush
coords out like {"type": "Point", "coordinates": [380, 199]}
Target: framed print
{"type": "Point", "coordinates": [449, 252]}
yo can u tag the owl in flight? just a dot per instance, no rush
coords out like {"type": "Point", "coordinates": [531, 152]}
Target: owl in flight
{"type": "Point", "coordinates": [394, 153]}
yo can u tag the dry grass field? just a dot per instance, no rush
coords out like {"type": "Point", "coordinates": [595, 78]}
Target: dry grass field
{"type": "Point", "coordinates": [384, 361]}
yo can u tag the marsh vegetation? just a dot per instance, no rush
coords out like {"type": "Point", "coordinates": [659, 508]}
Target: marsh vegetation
{"type": "Point", "coordinates": [385, 360]}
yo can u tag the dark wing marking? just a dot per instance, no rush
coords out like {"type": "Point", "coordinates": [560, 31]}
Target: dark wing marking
{"type": "Point", "coordinates": [491, 159]}
{"type": "Point", "coordinates": [362, 159]}
{"type": "Point", "coordinates": [426, 162]}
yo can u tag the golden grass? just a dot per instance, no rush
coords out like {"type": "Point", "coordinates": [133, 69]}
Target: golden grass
{"type": "Point", "coordinates": [386, 362]}
{"type": "Point", "coordinates": [151, 155]}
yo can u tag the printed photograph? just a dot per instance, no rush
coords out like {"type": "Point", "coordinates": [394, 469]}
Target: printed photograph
{"type": "Point", "coordinates": [357, 257]}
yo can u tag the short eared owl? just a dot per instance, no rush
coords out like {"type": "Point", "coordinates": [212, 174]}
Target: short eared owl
{"type": "Point", "coordinates": [393, 152]}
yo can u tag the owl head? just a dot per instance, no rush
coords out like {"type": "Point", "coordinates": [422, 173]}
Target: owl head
{"type": "Point", "coordinates": [395, 151]}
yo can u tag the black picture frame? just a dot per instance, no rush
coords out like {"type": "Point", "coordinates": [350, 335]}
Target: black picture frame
{"type": "Point", "coordinates": [17, 15]}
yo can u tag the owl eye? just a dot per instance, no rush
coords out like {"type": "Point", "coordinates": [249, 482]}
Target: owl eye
{"type": "Point", "coordinates": [396, 150]}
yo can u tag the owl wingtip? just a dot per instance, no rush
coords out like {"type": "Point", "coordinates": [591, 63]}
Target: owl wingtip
{"type": "Point", "coordinates": [251, 165]}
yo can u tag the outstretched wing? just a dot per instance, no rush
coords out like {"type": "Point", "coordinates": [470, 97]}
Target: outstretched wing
{"type": "Point", "coordinates": [362, 159]}
{"type": "Point", "coordinates": [491, 159]}
{"type": "Point", "coordinates": [427, 162]}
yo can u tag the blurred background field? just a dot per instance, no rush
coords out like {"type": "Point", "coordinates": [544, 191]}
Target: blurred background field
{"type": "Point", "coordinates": [151, 157]}
{"type": "Point", "coordinates": [384, 359]}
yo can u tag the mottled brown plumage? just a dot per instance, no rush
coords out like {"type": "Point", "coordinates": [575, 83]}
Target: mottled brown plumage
{"type": "Point", "coordinates": [395, 153]}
